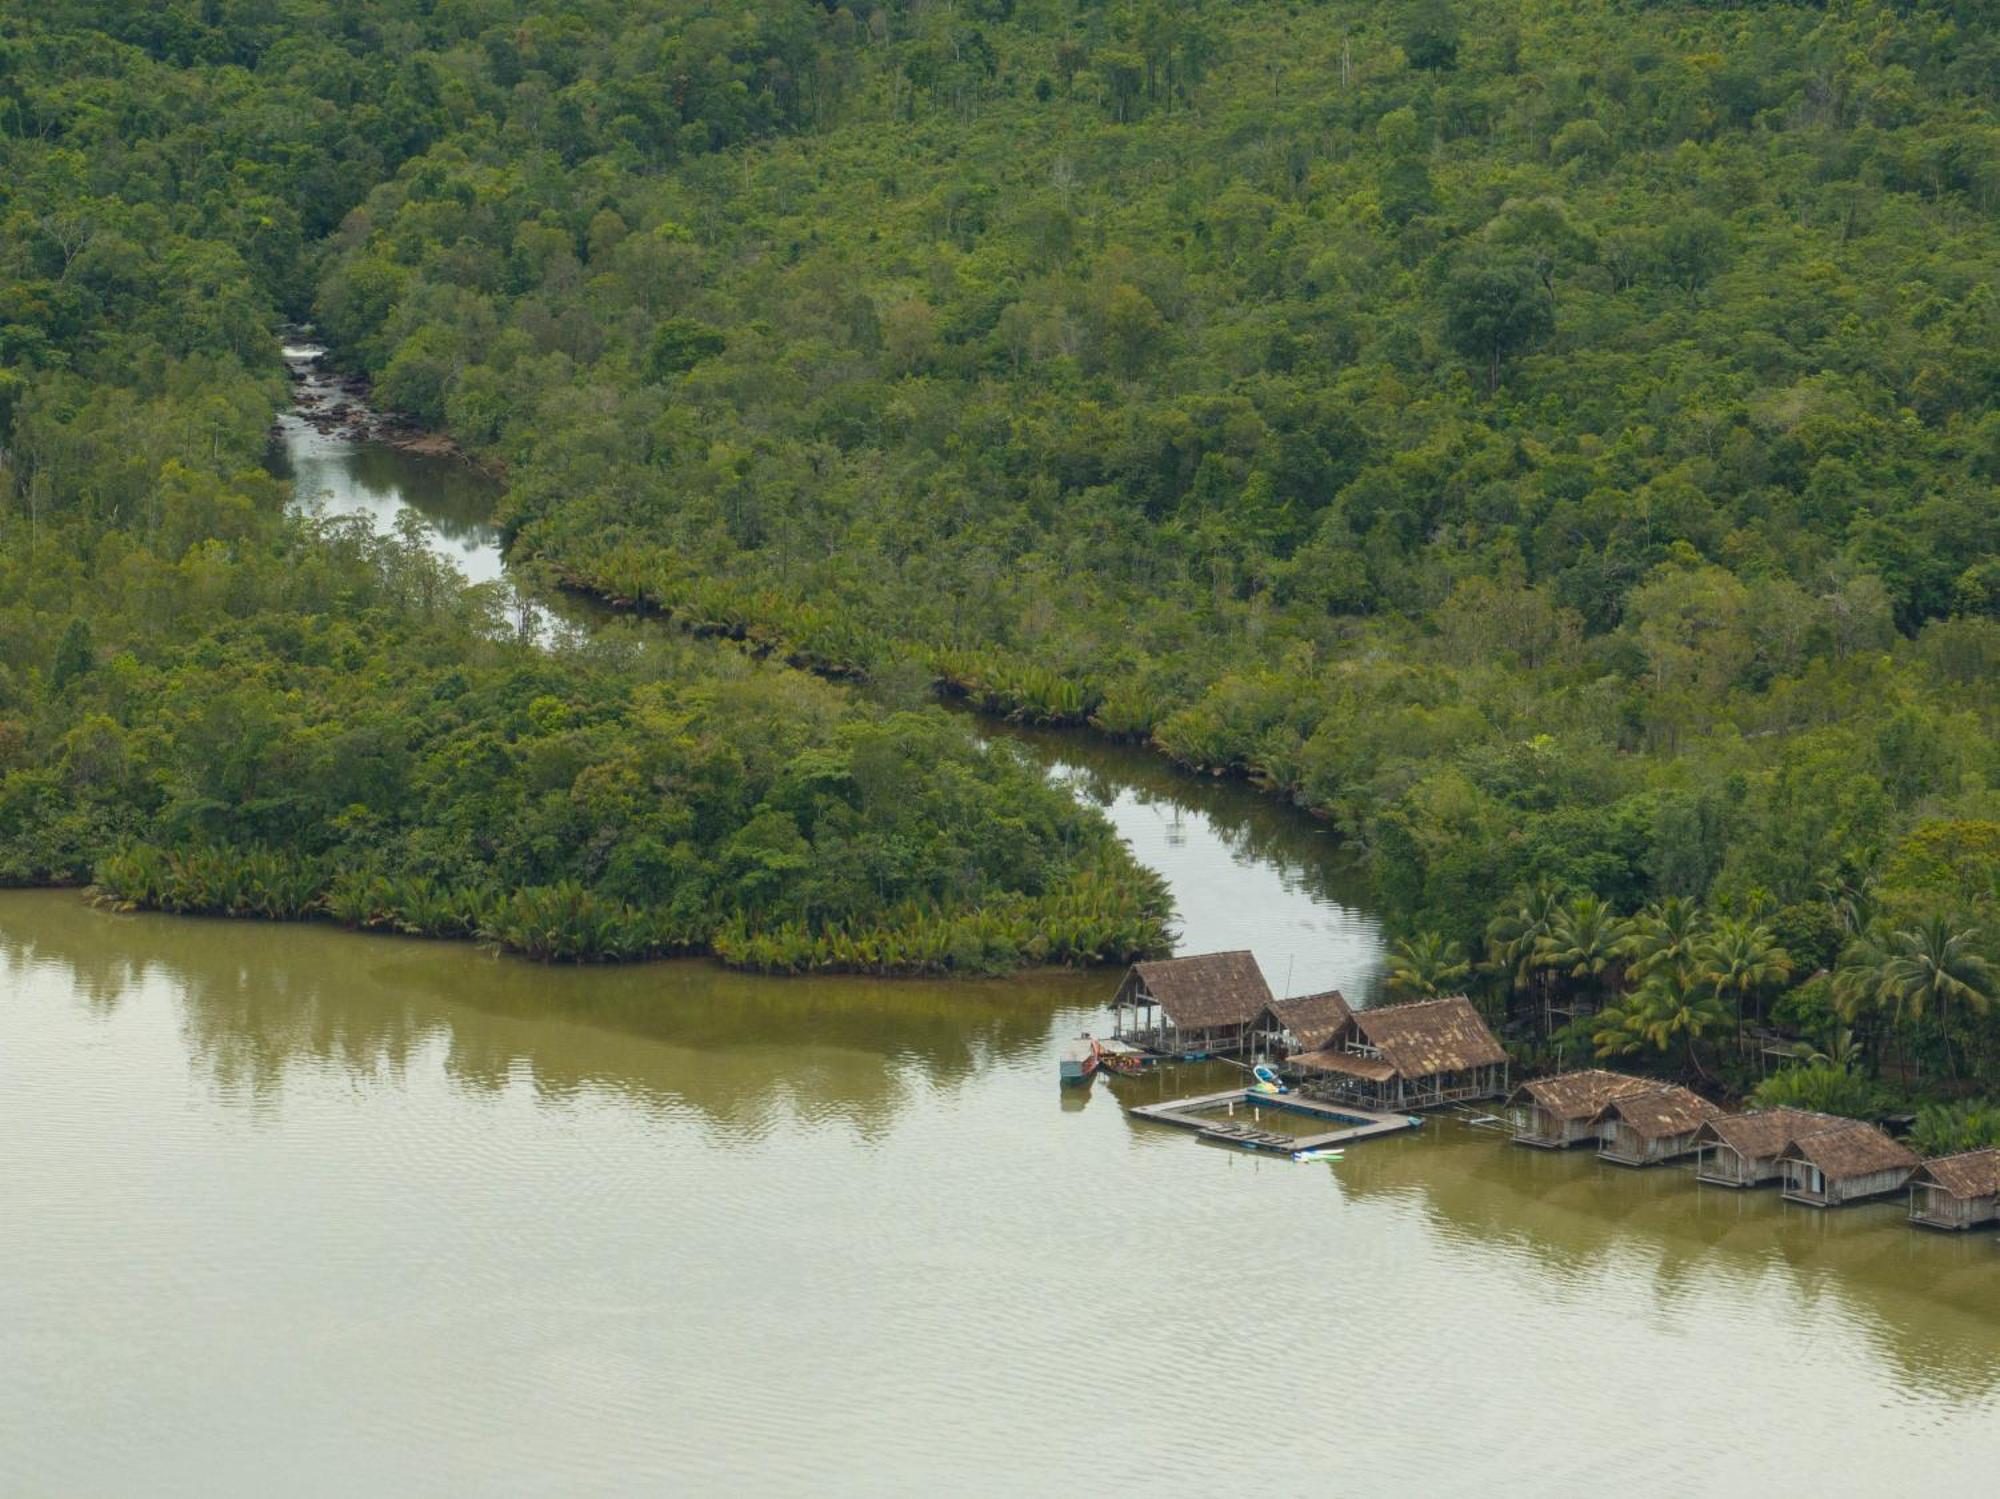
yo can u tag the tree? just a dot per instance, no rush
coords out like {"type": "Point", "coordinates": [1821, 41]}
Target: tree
{"type": "Point", "coordinates": [1542, 233]}
{"type": "Point", "coordinates": [1514, 936]}
{"type": "Point", "coordinates": [1494, 309]}
{"type": "Point", "coordinates": [1740, 960]}
{"type": "Point", "coordinates": [1925, 970]}
{"type": "Point", "coordinates": [76, 654]}
{"type": "Point", "coordinates": [1934, 968]}
{"type": "Point", "coordinates": [1427, 966]}
{"type": "Point", "coordinates": [1693, 248]}
{"type": "Point", "coordinates": [1663, 934]}
{"type": "Point", "coordinates": [1584, 941]}
{"type": "Point", "coordinates": [679, 344]}
{"type": "Point", "coordinates": [1431, 42]}
{"type": "Point", "coordinates": [1673, 1006]}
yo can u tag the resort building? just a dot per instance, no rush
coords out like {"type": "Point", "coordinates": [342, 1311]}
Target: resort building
{"type": "Point", "coordinates": [1957, 1191]}
{"type": "Point", "coordinates": [1563, 1110]}
{"type": "Point", "coordinates": [1644, 1129]}
{"type": "Point", "coordinates": [1306, 1023]}
{"type": "Point", "coordinates": [1198, 1006]}
{"type": "Point", "coordinates": [1850, 1161]}
{"type": "Point", "coordinates": [1411, 1056]}
{"type": "Point", "coordinates": [1742, 1150]}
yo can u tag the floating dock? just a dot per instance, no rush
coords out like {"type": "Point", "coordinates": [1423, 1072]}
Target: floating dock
{"type": "Point", "coordinates": [1352, 1123]}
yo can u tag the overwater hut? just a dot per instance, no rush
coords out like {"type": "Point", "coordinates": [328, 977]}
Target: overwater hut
{"type": "Point", "coordinates": [1957, 1191]}
{"type": "Point", "coordinates": [1305, 1023]}
{"type": "Point", "coordinates": [1742, 1150]}
{"type": "Point", "coordinates": [1563, 1110]}
{"type": "Point", "coordinates": [1644, 1129]}
{"type": "Point", "coordinates": [1842, 1164]}
{"type": "Point", "coordinates": [1412, 1056]}
{"type": "Point", "coordinates": [1188, 1006]}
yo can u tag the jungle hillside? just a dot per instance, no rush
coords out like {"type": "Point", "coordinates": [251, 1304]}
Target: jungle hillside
{"type": "Point", "coordinates": [1556, 442]}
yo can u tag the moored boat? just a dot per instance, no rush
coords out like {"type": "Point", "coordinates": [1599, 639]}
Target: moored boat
{"type": "Point", "coordinates": [1079, 1060]}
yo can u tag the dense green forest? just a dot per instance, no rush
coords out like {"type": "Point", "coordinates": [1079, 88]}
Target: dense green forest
{"type": "Point", "coordinates": [210, 704]}
{"type": "Point", "coordinates": [1556, 441]}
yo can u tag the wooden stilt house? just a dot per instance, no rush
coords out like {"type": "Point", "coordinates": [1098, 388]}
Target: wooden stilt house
{"type": "Point", "coordinates": [1562, 1110]}
{"type": "Point", "coordinates": [1843, 1164]}
{"type": "Point", "coordinates": [1957, 1191]}
{"type": "Point", "coordinates": [1308, 1022]}
{"type": "Point", "coordinates": [1644, 1129]}
{"type": "Point", "coordinates": [1413, 1056]}
{"type": "Point", "coordinates": [1196, 1006]}
{"type": "Point", "coordinates": [1742, 1150]}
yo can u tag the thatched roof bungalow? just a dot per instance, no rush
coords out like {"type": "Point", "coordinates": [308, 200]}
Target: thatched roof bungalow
{"type": "Point", "coordinates": [1850, 1161]}
{"type": "Point", "coordinates": [1410, 1056]}
{"type": "Point", "coordinates": [1196, 1006]}
{"type": "Point", "coordinates": [1306, 1022]}
{"type": "Point", "coordinates": [1644, 1129]}
{"type": "Point", "coordinates": [1957, 1191]}
{"type": "Point", "coordinates": [1742, 1150]}
{"type": "Point", "coordinates": [1563, 1110]}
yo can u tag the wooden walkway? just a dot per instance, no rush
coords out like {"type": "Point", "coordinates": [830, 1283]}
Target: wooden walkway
{"type": "Point", "coordinates": [1354, 1123]}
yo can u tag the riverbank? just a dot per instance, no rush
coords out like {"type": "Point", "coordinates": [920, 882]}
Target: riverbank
{"type": "Point", "coordinates": [339, 404]}
{"type": "Point", "coordinates": [234, 1146]}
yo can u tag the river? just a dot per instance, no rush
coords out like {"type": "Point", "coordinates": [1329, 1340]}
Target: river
{"type": "Point", "coordinates": [291, 1210]}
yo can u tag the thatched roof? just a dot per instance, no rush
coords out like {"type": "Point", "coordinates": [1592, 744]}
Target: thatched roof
{"type": "Point", "coordinates": [1764, 1134]}
{"type": "Point", "coordinates": [1849, 1150]}
{"type": "Point", "coordinates": [1973, 1173]}
{"type": "Point", "coordinates": [1374, 1069]}
{"type": "Point", "coordinates": [1202, 992]}
{"type": "Point", "coordinates": [1430, 1036]}
{"type": "Point", "coordinates": [1314, 1019]}
{"type": "Point", "coordinates": [1581, 1095]}
{"type": "Point", "coordinates": [1660, 1111]}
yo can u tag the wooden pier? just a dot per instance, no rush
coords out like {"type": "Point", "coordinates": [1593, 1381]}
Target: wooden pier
{"type": "Point", "coordinates": [1354, 1123]}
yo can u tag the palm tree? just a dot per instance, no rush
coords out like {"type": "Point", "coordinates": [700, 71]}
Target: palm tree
{"type": "Point", "coordinates": [1858, 980]}
{"type": "Point", "coordinates": [1673, 1005]}
{"type": "Point", "coordinates": [1667, 932]}
{"type": "Point", "coordinates": [1934, 967]}
{"type": "Point", "coordinates": [1426, 966]}
{"type": "Point", "coordinates": [1513, 938]}
{"type": "Point", "coordinates": [1584, 940]}
{"type": "Point", "coordinates": [1840, 1054]}
{"type": "Point", "coordinates": [1739, 959]}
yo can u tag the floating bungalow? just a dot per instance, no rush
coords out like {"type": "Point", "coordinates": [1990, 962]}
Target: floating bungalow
{"type": "Point", "coordinates": [1658, 1124]}
{"type": "Point", "coordinates": [1847, 1162]}
{"type": "Point", "coordinates": [1563, 1110]}
{"type": "Point", "coordinates": [1742, 1150]}
{"type": "Point", "coordinates": [1957, 1191]}
{"type": "Point", "coordinates": [1412, 1056]}
{"type": "Point", "coordinates": [1197, 1006]}
{"type": "Point", "coordinates": [1307, 1023]}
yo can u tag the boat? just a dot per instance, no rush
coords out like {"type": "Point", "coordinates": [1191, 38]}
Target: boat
{"type": "Point", "coordinates": [1079, 1060]}
{"type": "Point", "coordinates": [1268, 1080]}
{"type": "Point", "coordinates": [1323, 1153]}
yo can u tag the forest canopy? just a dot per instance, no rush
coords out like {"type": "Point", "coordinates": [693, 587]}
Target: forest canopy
{"type": "Point", "coordinates": [1555, 441]}
{"type": "Point", "coordinates": [211, 702]}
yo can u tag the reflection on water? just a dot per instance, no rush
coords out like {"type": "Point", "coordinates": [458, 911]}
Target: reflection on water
{"type": "Point", "coordinates": [371, 1215]}
{"type": "Point", "coordinates": [331, 471]}
{"type": "Point", "coordinates": [1246, 871]}
{"type": "Point", "coordinates": [742, 1053]}
{"type": "Point", "coordinates": [288, 1210]}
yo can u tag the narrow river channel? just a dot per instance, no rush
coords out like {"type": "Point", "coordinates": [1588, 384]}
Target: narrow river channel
{"type": "Point", "coordinates": [289, 1210]}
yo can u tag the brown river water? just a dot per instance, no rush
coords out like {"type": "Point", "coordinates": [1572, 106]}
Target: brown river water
{"type": "Point", "coordinates": [286, 1210]}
